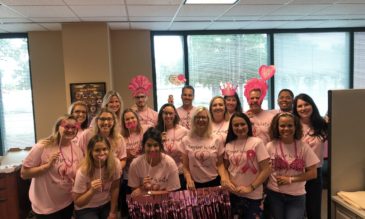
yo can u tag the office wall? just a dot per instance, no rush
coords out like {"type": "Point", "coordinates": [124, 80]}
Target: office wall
{"type": "Point", "coordinates": [59, 58]}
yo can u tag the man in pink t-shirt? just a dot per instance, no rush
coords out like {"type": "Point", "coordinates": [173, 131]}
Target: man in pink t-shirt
{"type": "Point", "coordinates": [187, 110]}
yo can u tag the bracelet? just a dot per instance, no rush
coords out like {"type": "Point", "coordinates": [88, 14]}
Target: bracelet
{"type": "Point", "coordinates": [252, 187]}
{"type": "Point", "coordinates": [149, 192]}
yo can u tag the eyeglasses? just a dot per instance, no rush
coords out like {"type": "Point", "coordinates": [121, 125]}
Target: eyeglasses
{"type": "Point", "coordinates": [105, 119]}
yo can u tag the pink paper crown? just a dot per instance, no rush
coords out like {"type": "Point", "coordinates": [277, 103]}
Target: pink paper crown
{"type": "Point", "coordinates": [228, 89]}
{"type": "Point", "coordinates": [140, 84]}
{"type": "Point", "coordinates": [266, 72]}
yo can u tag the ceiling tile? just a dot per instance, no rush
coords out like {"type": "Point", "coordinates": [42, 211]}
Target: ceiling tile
{"type": "Point", "coordinates": [203, 10]}
{"type": "Point", "coordinates": [154, 2]}
{"type": "Point", "coordinates": [6, 12]}
{"type": "Point", "coordinates": [298, 9]}
{"type": "Point", "coordinates": [264, 24]}
{"type": "Point", "coordinates": [99, 11]}
{"type": "Point", "coordinates": [299, 24]}
{"type": "Point", "coordinates": [118, 25]}
{"type": "Point", "coordinates": [20, 28]}
{"type": "Point", "coordinates": [14, 20]}
{"type": "Point", "coordinates": [251, 10]}
{"type": "Point", "coordinates": [264, 2]}
{"type": "Point", "coordinates": [104, 19]}
{"type": "Point", "coordinates": [55, 19]}
{"type": "Point", "coordinates": [94, 2]}
{"type": "Point", "coordinates": [150, 19]}
{"type": "Point", "coordinates": [196, 18]}
{"type": "Point", "coordinates": [280, 18]}
{"type": "Point", "coordinates": [150, 25]}
{"type": "Point", "coordinates": [189, 25]}
{"type": "Point", "coordinates": [32, 2]}
{"type": "Point", "coordinates": [44, 11]}
{"type": "Point", "coordinates": [342, 9]}
{"type": "Point", "coordinates": [239, 18]}
{"type": "Point", "coordinates": [313, 1]}
{"type": "Point", "coordinates": [157, 11]}
{"type": "Point", "coordinates": [227, 25]}
{"type": "Point", "coordinates": [52, 26]}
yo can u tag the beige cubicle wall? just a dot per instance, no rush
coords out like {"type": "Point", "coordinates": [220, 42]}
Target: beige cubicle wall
{"type": "Point", "coordinates": [347, 141]}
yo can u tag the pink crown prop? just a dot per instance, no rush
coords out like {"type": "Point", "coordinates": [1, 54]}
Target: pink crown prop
{"type": "Point", "coordinates": [140, 84]}
{"type": "Point", "coordinates": [266, 72]}
{"type": "Point", "coordinates": [228, 89]}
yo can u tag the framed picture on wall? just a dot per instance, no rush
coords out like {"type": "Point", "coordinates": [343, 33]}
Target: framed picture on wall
{"type": "Point", "coordinates": [91, 93]}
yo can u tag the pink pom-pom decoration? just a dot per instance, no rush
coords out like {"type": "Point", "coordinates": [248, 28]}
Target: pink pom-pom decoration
{"type": "Point", "coordinates": [140, 84]}
{"type": "Point", "coordinates": [181, 78]}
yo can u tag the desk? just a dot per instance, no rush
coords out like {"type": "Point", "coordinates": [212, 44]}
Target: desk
{"type": "Point", "coordinates": [345, 211]}
{"type": "Point", "coordinates": [14, 201]}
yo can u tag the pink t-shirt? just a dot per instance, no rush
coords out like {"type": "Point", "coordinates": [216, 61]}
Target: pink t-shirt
{"type": "Point", "coordinates": [118, 146]}
{"type": "Point", "coordinates": [315, 142]}
{"type": "Point", "coordinates": [133, 142]}
{"type": "Point", "coordinates": [83, 183]}
{"type": "Point", "coordinates": [203, 156]}
{"type": "Point", "coordinates": [220, 129]}
{"type": "Point", "coordinates": [185, 116]}
{"type": "Point", "coordinates": [147, 118]}
{"type": "Point", "coordinates": [164, 175]}
{"type": "Point", "coordinates": [244, 157]}
{"type": "Point", "coordinates": [172, 145]}
{"type": "Point", "coordinates": [51, 191]}
{"type": "Point", "coordinates": [261, 124]}
{"type": "Point", "coordinates": [303, 152]}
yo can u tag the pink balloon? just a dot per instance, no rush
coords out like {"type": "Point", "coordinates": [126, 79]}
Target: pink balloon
{"type": "Point", "coordinates": [266, 72]}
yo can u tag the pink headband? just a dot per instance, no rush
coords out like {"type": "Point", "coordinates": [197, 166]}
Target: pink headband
{"type": "Point", "coordinates": [266, 72]}
{"type": "Point", "coordinates": [228, 89]}
{"type": "Point", "coordinates": [140, 84]}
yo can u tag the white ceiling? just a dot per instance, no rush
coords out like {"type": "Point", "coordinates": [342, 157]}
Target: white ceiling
{"type": "Point", "coordinates": [44, 15]}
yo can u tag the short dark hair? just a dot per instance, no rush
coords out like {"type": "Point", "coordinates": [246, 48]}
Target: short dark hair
{"type": "Point", "coordinates": [154, 134]}
{"type": "Point", "coordinates": [287, 90]}
{"type": "Point", "coordinates": [188, 87]}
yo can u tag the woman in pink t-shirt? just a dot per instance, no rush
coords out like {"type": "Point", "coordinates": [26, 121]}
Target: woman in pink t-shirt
{"type": "Point", "coordinates": [293, 163]}
{"type": "Point", "coordinates": [172, 134]}
{"type": "Point", "coordinates": [220, 117]}
{"type": "Point", "coordinates": [315, 135]}
{"type": "Point", "coordinates": [247, 162]}
{"type": "Point", "coordinates": [96, 187]}
{"type": "Point", "coordinates": [132, 133]}
{"type": "Point", "coordinates": [52, 165]}
{"type": "Point", "coordinates": [153, 172]}
{"type": "Point", "coordinates": [201, 152]}
{"type": "Point", "coordinates": [80, 111]}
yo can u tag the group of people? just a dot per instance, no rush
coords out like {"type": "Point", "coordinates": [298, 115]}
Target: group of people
{"type": "Point", "coordinates": [87, 168]}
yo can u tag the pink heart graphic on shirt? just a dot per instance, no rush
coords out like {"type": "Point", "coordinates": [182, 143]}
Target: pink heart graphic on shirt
{"type": "Point", "coordinates": [266, 72]}
{"type": "Point", "coordinates": [201, 155]}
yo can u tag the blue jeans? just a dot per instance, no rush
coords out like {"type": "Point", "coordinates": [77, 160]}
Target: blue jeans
{"type": "Point", "coordinates": [101, 212]}
{"type": "Point", "coordinates": [245, 208]}
{"type": "Point", "coordinates": [283, 206]}
{"type": "Point", "coordinates": [314, 196]}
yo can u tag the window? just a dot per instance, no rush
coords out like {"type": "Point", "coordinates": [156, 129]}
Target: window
{"type": "Point", "coordinates": [169, 64]}
{"type": "Point", "coordinates": [16, 109]}
{"type": "Point", "coordinates": [359, 60]}
{"type": "Point", "coordinates": [311, 63]}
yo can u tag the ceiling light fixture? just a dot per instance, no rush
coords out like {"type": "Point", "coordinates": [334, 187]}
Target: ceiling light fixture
{"type": "Point", "coordinates": [210, 2]}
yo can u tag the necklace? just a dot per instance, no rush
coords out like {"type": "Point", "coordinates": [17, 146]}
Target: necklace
{"type": "Point", "coordinates": [282, 151]}
{"type": "Point", "coordinates": [63, 157]}
{"type": "Point", "coordinates": [236, 160]}
{"type": "Point", "coordinates": [169, 147]}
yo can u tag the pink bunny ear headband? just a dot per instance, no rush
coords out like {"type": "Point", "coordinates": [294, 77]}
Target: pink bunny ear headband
{"type": "Point", "coordinates": [140, 84]}
{"type": "Point", "coordinates": [228, 89]}
{"type": "Point", "coordinates": [266, 72]}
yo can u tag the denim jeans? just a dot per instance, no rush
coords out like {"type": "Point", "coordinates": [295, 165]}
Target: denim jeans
{"type": "Point", "coordinates": [245, 208]}
{"type": "Point", "coordinates": [283, 206]}
{"type": "Point", "coordinates": [101, 212]}
{"type": "Point", "coordinates": [314, 196]}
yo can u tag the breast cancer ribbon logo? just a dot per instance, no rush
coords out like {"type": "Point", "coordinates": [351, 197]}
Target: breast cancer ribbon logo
{"type": "Point", "coordinates": [202, 156]}
{"type": "Point", "coordinates": [250, 162]}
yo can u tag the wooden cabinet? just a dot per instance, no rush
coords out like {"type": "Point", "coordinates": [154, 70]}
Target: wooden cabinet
{"type": "Point", "coordinates": [14, 201]}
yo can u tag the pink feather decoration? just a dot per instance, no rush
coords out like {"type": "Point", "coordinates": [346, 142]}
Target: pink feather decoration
{"type": "Point", "coordinates": [140, 84]}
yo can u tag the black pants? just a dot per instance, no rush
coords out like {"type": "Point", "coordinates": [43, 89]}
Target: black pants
{"type": "Point", "coordinates": [124, 190]}
{"type": "Point", "coordinates": [314, 196]}
{"type": "Point", "coordinates": [65, 213]}
{"type": "Point", "coordinates": [212, 183]}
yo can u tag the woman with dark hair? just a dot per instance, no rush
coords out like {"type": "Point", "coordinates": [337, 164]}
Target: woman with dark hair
{"type": "Point", "coordinates": [315, 134]}
{"type": "Point", "coordinates": [96, 185]}
{"type": "Point", "coordinates": [172, 134]}
{"type": "Point", "coordinates": [233, 104]}
{"type": "Point", "coordinates": [293, 163]}
{"type": "Point", "coordinates": [52, 164]}
{"type": "Point", "coordinates": [153, 172]}
{"type": "Point", "coordinates": [246, 167]}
